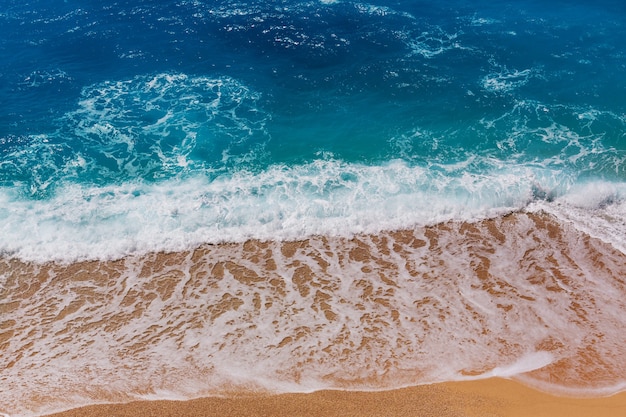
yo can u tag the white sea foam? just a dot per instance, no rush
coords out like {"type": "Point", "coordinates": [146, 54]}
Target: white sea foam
{"type": "Point", "coordinates": [527, 363]}
{"type": "Point", "coordinates": [147, 126]}
{"type": "Point", "coordinates": [41, 78]}
{"type": "Point", "coordinates": [507, 80]}
{"type": "Point", "coordinates": [595, 207]}
{"type": "Point", "coordinates": [604, 391]}
{"type": "Point", "coordinates": [482, 21]}
{"type": "Point", "coordinates": [325, 197]}
{"type": "Point", "coordinates": [433, 42]}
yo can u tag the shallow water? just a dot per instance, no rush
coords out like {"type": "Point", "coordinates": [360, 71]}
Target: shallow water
{"type": "Point", "coordinates": [523, 294]}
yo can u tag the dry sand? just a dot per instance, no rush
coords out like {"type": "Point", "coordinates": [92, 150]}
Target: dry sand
{"type": "Point", "coordinates": [485, 398]}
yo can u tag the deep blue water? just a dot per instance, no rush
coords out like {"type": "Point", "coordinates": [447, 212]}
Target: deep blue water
{"type": "Point", "coordinates": [146, 125]}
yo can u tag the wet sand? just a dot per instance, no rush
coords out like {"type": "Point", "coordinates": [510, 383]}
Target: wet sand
{"type": "Point", "coordinates": [520, 294]}
{"type": "Point", "coordinates": [485, 398]}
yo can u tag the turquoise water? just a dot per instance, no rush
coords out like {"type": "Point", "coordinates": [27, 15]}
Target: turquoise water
{"type": "Point", "coordinates": [376, 116]}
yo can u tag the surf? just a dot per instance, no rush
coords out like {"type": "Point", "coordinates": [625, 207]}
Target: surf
{"type": "Point", "coordinates": [451, 301]}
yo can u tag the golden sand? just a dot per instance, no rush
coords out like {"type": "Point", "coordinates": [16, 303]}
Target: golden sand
{"type": "Point", "coordinates": [485, 398]}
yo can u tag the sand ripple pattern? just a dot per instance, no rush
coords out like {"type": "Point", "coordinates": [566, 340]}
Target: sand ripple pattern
{"type": "Point", "coordinates": [520, 294]}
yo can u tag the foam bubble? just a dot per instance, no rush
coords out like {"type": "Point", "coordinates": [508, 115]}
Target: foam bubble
{"type": "Point", "coordinates": [432, 42]}
{"type": "Point", "coordinates": [556, 137]}
{"type": "Point", "coordinates": [482, 21]}
{"type": "Point", "coordinates": [324, 197]}
{"type": "Point", "coordinates": [151, 127]}
{"type": "Point", "coordinates": [506, 80]}
{"type": "Point", "coordinates": [595, 207]}
{"type": "Point", "coordinates": [42, 78]}
{"type": "Point", "coordinates": [595, 195]}
{"type": "Point", "coordinates": [374, 10]}
{"type": "Point", "coordinates": [527, 363]}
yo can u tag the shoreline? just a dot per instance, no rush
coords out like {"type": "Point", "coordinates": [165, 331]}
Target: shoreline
{"type": "Point", "coordinates": [502, 297]}
{"type": "Point", "coordinates": [486, 397]}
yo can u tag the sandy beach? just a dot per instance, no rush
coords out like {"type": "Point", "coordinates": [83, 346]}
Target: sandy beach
{"type": "Point", "coordinates": [209, 321]}
{"type": "Point", "coordinates": [485, 398]}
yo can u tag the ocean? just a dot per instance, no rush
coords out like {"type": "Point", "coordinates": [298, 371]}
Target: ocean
{"type": "Point", "coordinates": [202, 197]}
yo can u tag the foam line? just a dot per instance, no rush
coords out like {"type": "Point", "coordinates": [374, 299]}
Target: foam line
{"type": "Point", "coordinates": [325, 197]}
{"type": "Point", "coordinates": [527, 363]}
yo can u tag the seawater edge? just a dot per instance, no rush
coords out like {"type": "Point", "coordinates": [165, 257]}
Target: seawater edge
{"type": "Point", "coordinates": [365, 312]}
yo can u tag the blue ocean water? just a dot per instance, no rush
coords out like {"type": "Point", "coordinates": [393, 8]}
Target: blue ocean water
{"type": "Point", "coordinates": [160, 125]}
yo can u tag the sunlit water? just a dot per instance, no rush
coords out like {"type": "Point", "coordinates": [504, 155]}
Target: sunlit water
{"type": "Point", "coordinates": [199, 197]}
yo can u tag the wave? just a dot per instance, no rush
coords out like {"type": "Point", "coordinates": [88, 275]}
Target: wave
{"type": "Point", "coordinates": [325, 197]}
{"type": "Point", "coordinates": [170, 161]}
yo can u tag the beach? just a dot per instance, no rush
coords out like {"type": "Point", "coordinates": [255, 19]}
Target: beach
{"type": "Point", "coordinates": [369, 313]}
{"type": "Point", "coordinates": [483, 398]}
{"type": "Point", "coordinates": [312, 207]}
